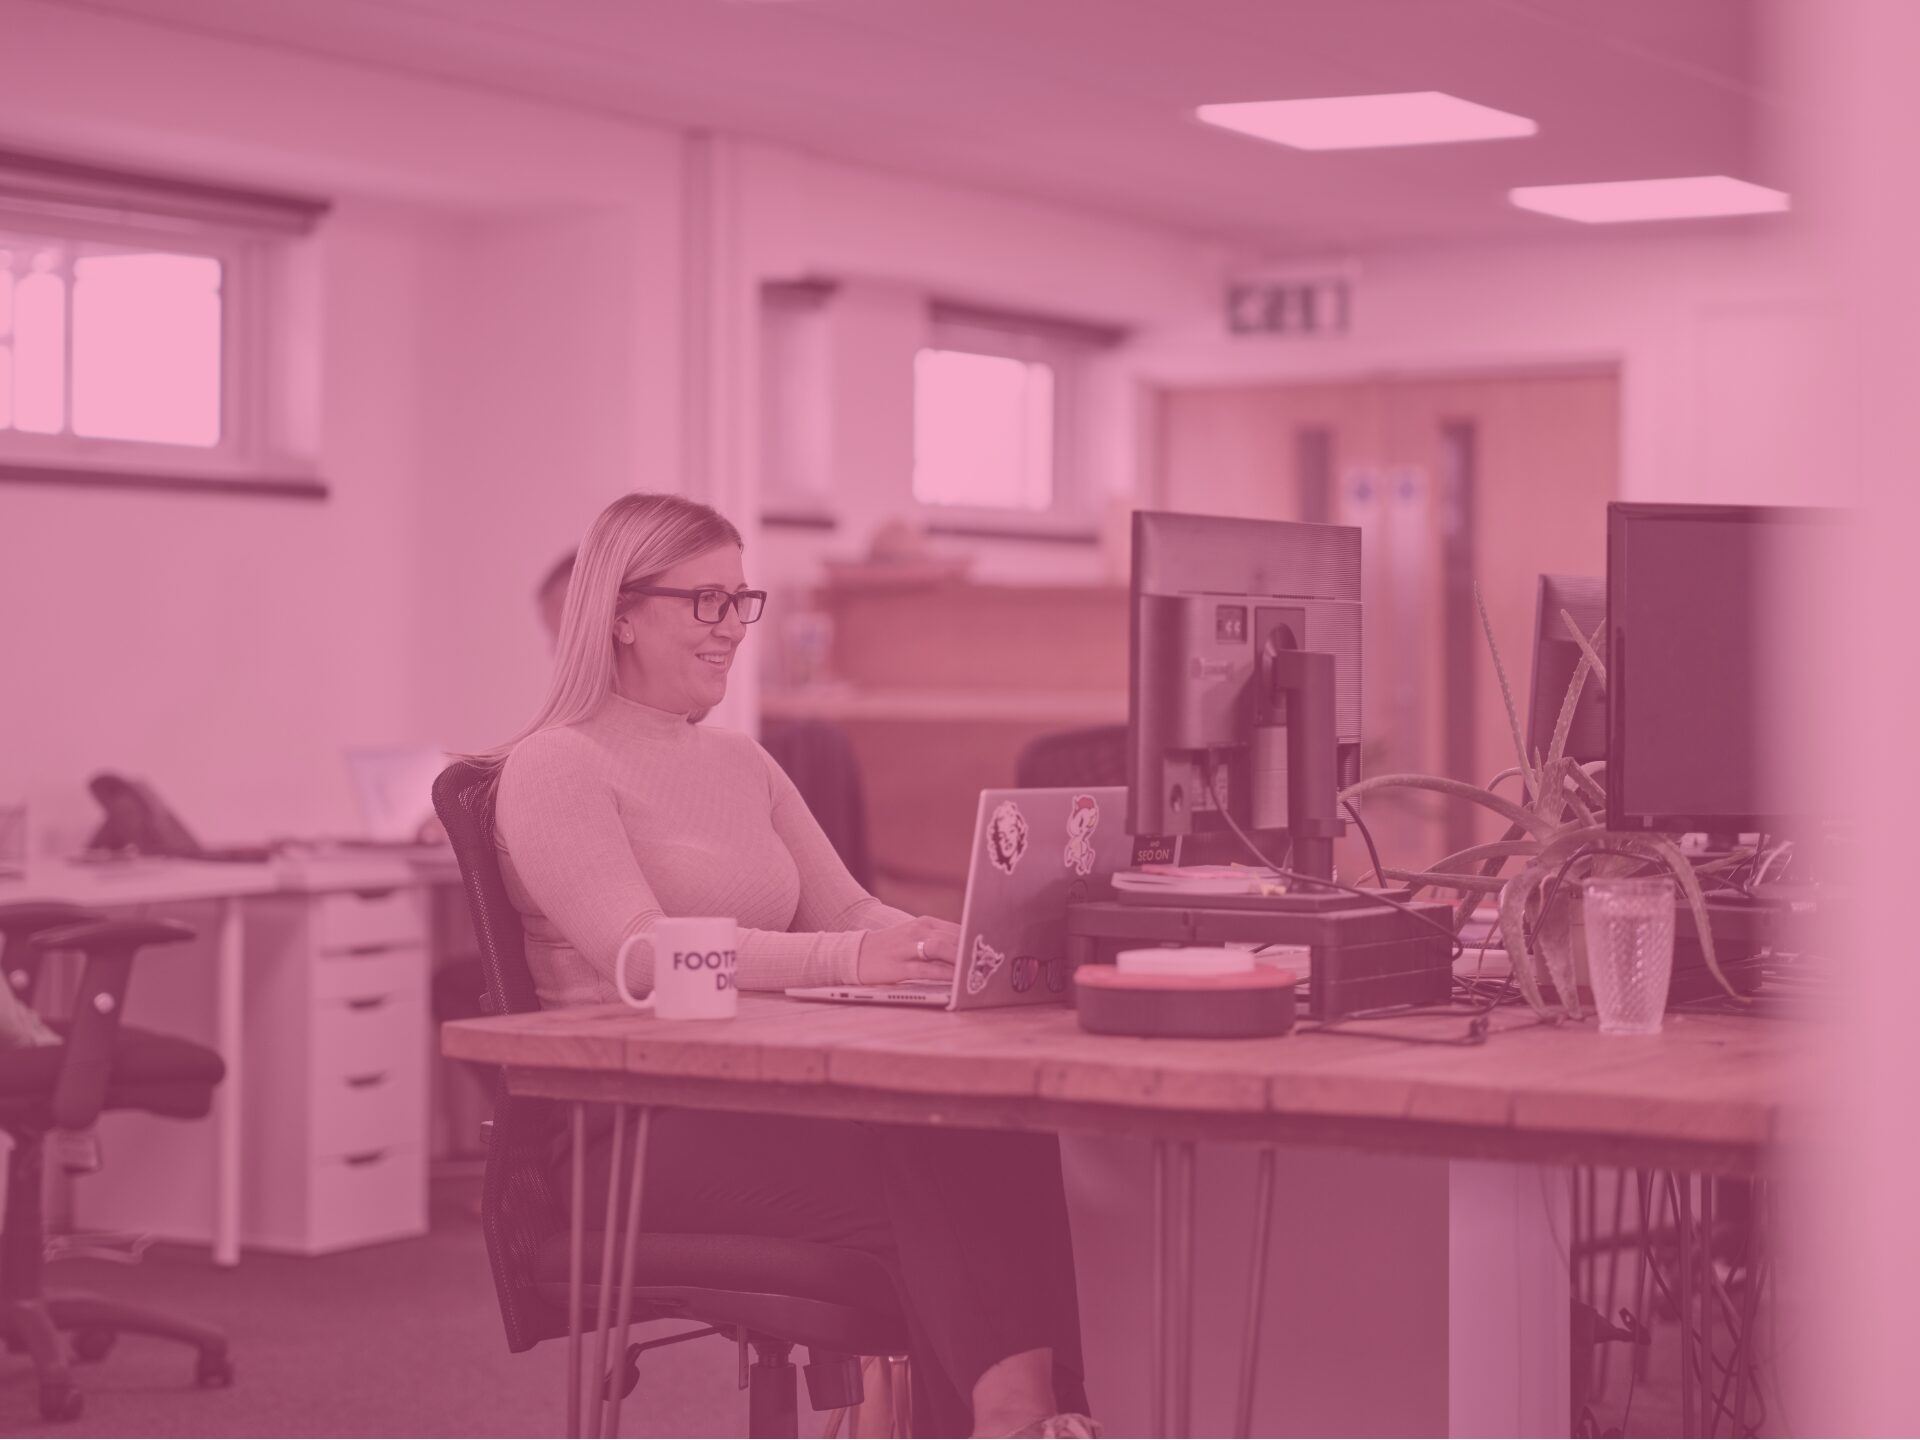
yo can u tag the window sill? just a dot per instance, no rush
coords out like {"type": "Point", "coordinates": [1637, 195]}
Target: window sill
{"type": "Point", "coordinates": [210, 482]}
{"type": "Point", "coordinates": [1009, 525]}
{"type": "Point", "coordinates": [779, 519]}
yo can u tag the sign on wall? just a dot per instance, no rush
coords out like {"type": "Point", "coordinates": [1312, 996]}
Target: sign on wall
{"type": "Point", "coordinates": [1297, 306]}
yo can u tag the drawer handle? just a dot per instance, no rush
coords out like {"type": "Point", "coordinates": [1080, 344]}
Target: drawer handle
{"type": "Point", "coordinates": [385, 894]}
{"type": "Point", "coordinates": [367, 1002]}
{"type": "Point", "coordinates": [360, 952]}
{"type": "Point", "coordinates": [367, 1157]}
{"type": "Point", "coordinates": [366, 1082]}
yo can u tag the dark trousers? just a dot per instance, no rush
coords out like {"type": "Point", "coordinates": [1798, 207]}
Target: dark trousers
{"type": "Point", "coordinates": [971, 1223]}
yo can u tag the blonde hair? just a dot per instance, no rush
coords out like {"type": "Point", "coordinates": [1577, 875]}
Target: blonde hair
{"type": "Point", "coordinates": [633, 541]}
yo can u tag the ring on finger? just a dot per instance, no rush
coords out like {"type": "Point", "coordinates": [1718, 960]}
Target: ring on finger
{"type": "Point", "coordinates": [920, 948]}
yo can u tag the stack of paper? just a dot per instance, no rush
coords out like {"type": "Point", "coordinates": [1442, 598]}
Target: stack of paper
{"type": "Point", "coordinates": [1200, 880]}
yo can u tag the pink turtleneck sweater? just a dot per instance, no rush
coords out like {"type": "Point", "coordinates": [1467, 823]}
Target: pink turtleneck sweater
{"type": "Point", "coordinates": [606, 826]}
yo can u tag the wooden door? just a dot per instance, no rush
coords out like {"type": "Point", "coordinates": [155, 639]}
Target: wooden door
{"type": "Point", "coordinates": [1493, 479]}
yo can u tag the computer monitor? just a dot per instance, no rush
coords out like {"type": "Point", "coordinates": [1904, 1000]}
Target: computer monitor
{"type": "Point", "coordinates": [1706, 606]}
{"type": "Point", "coordinates": [1556, 656]}
{"type": "Point", "coordinates": [1245, 683]}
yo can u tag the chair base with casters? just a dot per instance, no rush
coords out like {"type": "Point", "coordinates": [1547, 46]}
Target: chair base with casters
{"type": "Point", "coordinates": [766, 1295]}
{"type": "Point", "coordinates": [98, 1065]}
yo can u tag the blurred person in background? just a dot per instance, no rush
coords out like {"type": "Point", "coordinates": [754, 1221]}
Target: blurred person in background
{"type": "Point", "coordinates": [551, 597]}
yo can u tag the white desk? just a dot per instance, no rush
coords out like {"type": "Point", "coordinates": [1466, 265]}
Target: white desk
{"type": "Point", "coordinates": [177, 882]}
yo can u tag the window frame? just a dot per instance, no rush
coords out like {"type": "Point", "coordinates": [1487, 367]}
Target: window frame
{"type": "Point", "coordinates": [1068, 350]}
{"type": "Point", "coordinates": [251, 237]}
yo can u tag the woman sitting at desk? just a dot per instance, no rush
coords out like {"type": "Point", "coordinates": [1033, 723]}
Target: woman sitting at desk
{"type": "Point", "coordinates": [617, 808]}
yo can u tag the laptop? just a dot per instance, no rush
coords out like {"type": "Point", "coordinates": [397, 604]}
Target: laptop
{"type": "Point", "coordinates": [1034, 853]}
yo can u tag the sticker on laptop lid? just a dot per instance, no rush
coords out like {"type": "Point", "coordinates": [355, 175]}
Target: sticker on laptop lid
{"type": "Point", "coordinates": [1083, 818]}
{"type": "Point", "coordinates": [986, 960]}
{"type": "Point", "coordinates": [1006, 837]}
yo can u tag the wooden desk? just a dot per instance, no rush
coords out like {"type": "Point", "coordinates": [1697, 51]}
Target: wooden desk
{"type": "Point", "coordinates": [1706, 1097]}
{"type": "Point", "coordinates": [166, 882]}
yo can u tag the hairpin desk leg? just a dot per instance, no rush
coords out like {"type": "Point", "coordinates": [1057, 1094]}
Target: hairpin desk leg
{"type": "Point", "coordinates": [1683, 1220]}
{"type": "Point", "coordinates": [1183, 1343]}
{"type": "Point", "coordinates": [1256, 1293]}
{"type": "Point", "coordinates": [576, 1240]}
{"type": "Point", "coordinates": [609, 1231]}
{"type": "Point", "coordinates": [625, 1303]}
{"type": "Point", "coordinates": [1157, 1405]}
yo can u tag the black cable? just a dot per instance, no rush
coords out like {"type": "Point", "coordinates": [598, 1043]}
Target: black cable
{"type": "Point", "coordinates": [1456, 948]}
{"type": "Point", "coordinates": [1704, 1375]}
{"type": "Point", "coordinates": [1373, 853]}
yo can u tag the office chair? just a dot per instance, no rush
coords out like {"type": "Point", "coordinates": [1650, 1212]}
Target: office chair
{"type": "Point", "coordinates": [98, 1065]}
{"type": "Point", "coordinates": [818, 757]}
{"type": "Point", "coordinates": [766, 1294]}
{"type": "Point", "coordinates": [1093, 756]}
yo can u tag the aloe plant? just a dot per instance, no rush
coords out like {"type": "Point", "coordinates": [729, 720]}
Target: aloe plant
{"type": "Point", "coordinates": [1557, 828]}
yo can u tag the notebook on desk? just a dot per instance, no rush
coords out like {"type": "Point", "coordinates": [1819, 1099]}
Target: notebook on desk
{"type": "Point", "coordinates": [1034, 853]}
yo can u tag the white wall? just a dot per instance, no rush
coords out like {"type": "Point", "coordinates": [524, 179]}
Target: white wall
{"type": "Point", "coordinates": [552, 387]}
{"type": "Point", "coordinates": [494, 301]}
{"type": "Point", "coordinates": [899, 242]}
{"type": "Point", "coordinates": [1710, 328]}
{"type": "Point", "coordinates": [224, 647]}
{"type": "Point", "coordinates": [499, 294]}
{"type": "Point", "coordinates": [500, 297]}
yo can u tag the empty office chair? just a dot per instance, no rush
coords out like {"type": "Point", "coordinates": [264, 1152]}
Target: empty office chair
{"type": "Point", "coordinates": [98, 1065]}
{"type": "Point", "coordinates": [765, 1293]}
{"type": "Point", "coordinates": [1093, 756]}
{"type": "Point", "coordinates": [818, 757]}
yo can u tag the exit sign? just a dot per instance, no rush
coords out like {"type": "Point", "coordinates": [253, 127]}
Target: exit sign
{"type": "Point", "coordinates": [1288, 307]}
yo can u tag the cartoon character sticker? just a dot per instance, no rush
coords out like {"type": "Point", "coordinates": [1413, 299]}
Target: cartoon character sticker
{"type": "Point", "coordinates": [1006, 836]}
{"type": "Point", "coordinates": [986, 960]}
{"type": "Point", "coordinates": [1082, 820]}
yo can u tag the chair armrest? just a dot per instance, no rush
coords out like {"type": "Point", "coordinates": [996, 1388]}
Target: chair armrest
{"type": "Point", "coordinates": [109, 946]}
{"type": "Point", "coordinates": [20, 949]}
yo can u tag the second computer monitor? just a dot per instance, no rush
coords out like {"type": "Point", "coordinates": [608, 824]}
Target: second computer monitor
{"type": "Point", "coordinates": [1714, 624]}
{"type": "Point", "coordinates": [1556, 655]}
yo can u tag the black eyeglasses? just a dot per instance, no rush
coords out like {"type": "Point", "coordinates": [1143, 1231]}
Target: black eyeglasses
{"type": "Point", "coordinates": [710, 606]}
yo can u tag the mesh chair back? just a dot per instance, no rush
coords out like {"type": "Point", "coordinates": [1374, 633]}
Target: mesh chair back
{"type": "Point", "coordinates": [520, 1207]}
{"type": "Point", "coordinates": [1094, 756]}
{"type": "Point", "coordinates": [463, 797]}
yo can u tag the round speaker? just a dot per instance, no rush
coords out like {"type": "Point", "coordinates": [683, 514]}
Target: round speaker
{"type": "Point", "coordinates": [1239, 1006]}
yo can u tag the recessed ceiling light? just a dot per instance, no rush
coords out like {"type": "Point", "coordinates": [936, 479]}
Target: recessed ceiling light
{"type": "Point", "coordinates": [1691, 197]}
{"type": "Point", "coordinates": [1360, 122]}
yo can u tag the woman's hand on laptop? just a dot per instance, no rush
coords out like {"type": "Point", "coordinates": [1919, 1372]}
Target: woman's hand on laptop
{"type": "Point", "coordinates": [922, 949]}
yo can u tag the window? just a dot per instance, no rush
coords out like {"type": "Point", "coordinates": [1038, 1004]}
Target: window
{"type": "Point", "coordinates": [136, 327]}
{"type": "Point", "coordinates": [982, 431]}
{"type": "Point", "coordinates": [109, 344]}
{"type": "Point", "coordinates": [999, 403]}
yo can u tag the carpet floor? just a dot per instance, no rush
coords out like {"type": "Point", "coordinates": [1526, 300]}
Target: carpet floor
{"type": "Point", "coordinates": [399, 1339]}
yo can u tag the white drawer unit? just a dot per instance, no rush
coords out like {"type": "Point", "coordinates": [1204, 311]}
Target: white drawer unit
{"type": "Point", "coordinates": [336, 1137]}
{"type": "Point", "coordinates": [337, 1044]}
{"type": "Point", "coordinates": [366, 922]}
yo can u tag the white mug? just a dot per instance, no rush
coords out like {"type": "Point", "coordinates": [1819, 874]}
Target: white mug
{"type": "Point", "coordinates": [693, 965]}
